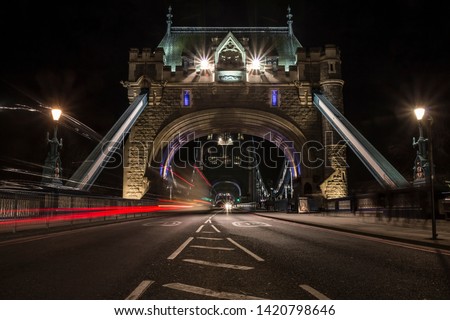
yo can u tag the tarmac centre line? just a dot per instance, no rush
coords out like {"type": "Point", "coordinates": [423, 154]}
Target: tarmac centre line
{"type": "Point", "coordinates": [218, 264]}
{"type": "Point", "coordinates": [180, 248]}
{"type": "Point", "coordinates": [210, 293]}
{"type": "Point", "coordinates": [212, 248]}
{"type": "Point", "coordinates": [207, 238]}
{"type": "Point", "coordinates": [140, 289]}
{"type": "Point", "coordinates": [254, 255]}
{"type": "Point", "coordinates": [314, 292]}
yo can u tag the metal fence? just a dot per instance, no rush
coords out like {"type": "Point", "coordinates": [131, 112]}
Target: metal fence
{"type": "Point", "coordinates": [25, 210]}
{"type": "Point", "coordinates": [404, 203]}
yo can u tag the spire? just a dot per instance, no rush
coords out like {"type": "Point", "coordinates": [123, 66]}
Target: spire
{"type": "Point", "coordinates": [289, 22]}
{"type": "Point", "coordinates": [169, 19]}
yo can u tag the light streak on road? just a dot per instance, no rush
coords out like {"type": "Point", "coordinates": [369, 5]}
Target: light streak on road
{"type": "Point", "coordinates": [182, 179]}
{"type": "Point", "coordinates": [68, 214]}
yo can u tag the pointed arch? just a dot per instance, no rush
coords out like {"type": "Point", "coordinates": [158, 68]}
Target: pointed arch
{"type": "Point", "coordinates": [230, 54]}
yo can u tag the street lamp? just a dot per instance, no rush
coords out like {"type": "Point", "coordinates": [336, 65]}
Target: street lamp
{"type": "Point", "coordinates": [56, 114]}
{"type": "Point", "coordinates": [424, 169]}
{"type": "Point", "coordinates": [52, 168]}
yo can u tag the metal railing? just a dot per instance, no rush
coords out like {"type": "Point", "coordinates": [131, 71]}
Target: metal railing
{"type": "Point", "coordinates": [410, 203]}
{"type": "Point", "coordinates": [26, 210]}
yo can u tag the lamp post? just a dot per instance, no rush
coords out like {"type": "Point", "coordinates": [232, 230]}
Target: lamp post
{"type": "Point", "coordinates": [424, 169]}
{"type": "Point", "coordinates": [52, 168]}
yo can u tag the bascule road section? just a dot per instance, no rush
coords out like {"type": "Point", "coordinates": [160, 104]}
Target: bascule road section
{"type": "Point", "coordinates": [217, 254]}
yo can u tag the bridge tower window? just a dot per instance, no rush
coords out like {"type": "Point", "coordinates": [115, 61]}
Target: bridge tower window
{"type": "Point", "coordinates": [332, 67]}
{"type": "Point", "coordinates": [275, 98]}
{"type": "Point", "coordinates": [186, 97]}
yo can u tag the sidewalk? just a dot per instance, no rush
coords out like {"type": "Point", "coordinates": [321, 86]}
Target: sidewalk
{"type": "Point", "coordinates": [410, 231]}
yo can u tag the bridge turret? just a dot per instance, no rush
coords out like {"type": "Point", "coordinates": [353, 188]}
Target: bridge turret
{"type": "Point", "coordinates": [331, 85]}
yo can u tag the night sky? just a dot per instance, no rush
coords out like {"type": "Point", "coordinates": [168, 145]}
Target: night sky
{"type": "Point", "coordinates": [394, 55]}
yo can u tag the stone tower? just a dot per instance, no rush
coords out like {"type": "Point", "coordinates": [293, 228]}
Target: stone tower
{"type": "Point", "coordinates": [254, 80]}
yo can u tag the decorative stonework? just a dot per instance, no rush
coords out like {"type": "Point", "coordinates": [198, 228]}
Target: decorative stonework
{"type": "Point", "coordinates": [296, 74]}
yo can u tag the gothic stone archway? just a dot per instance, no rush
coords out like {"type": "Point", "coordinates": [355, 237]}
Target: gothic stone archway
{"type": "Point", "coordinates": [186, 94]}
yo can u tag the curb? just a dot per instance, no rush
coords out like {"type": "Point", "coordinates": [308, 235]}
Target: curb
{"type": "Point", "coordinates": [362, 233]}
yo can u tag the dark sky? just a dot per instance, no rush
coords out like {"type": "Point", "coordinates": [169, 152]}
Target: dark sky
{"type": "Point", "coordinates": [394, 53]}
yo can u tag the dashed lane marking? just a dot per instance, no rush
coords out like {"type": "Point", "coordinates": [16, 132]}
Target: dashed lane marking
{"type": "Point", "coordinates": [213, 248]}
{"type": "Point", "coordinates": [314, 292]}
{"type": "Point", "coordinates": [210, 293]}
{"type": "Point", "coordinates": [180, 248]}
{"type": "Point", "coordinates": [218, 264]}
{"type": "Point", "coordinates": [214, 227]}
{"type": "Point", "coordinates": [207, 238]}
{"type": "Point", "coordinates": [200, 228]}
{"type": "Point", "coordinates": [140, 289]}
{"type": "Point", "coordinates": [254, 255]}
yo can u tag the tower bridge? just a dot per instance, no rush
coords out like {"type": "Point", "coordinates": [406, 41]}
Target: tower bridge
{"type": "Point", "coordinates": [255, 81]}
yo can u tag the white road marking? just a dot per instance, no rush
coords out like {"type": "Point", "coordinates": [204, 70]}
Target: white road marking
{"type": "Point", "coordinates": [162, 224]}
{"type": "Point", "coordinates": [178, 251]}
{"type": "Point", "coordinates": [214, 227]}
{"type": "Point", "coordinates": [314, 292]}
{"type": "Point", "coordinates": [208, 221]}
{"type": "Point", "coordinates": [254, 255]}
{"type": "Point", "coordinates": [208, 232]}
{"type": "Point", "coordinates": [218, 264]}
{"type": "Point", "coordinates": [210, 293]}
{"type": "Point", "coordinates": [214, 239]}
{"type": "Point", "coordinates": [171, 223]}
{"type": "Point", "coordinates": [200, 228]}
{"type": "Point", "coordinates": [212, 248]}
{"type": "Point", "coordinates": [250, 224]}
{"type": "Point", "coordinates": [140, 289]}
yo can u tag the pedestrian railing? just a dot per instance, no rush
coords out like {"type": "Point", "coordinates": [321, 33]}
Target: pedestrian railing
{"type": "Point", "coordinates": [25, 210]}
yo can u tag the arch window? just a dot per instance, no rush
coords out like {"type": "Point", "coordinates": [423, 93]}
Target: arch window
{"type": "Point", "coordinates": [186, 98]}
{"type": "Point", "coordinates": [275, 97]}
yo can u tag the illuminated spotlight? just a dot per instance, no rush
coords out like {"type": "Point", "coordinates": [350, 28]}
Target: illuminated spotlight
{"type": "Point", "coordinates": [256, 64]}
{"type": "Point", "coordinates": [225, 140]}
{"type": "Point", "coordinates": [204, 64]}
{"type": "Point", "coordinates": [228, 206]}
{"type": "Point", "coordinates": [56, 113]}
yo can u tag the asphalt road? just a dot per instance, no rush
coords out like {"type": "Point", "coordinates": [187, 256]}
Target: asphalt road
{"type": "Point", "coordinates": [216, 255]}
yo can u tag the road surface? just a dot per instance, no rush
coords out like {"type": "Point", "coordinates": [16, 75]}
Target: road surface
{"type": "Point", "coordinates": [216, 255]}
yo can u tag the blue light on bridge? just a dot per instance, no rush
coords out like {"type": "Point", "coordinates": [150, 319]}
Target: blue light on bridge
{"type": "Point", "coordinates": [186, 98]}
{"type": "Point", "coordinates": [274, 98]}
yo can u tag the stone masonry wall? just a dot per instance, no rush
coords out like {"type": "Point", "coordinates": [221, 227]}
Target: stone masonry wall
{"type": "Point", "coordinates": [166, 107]}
